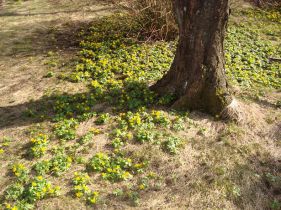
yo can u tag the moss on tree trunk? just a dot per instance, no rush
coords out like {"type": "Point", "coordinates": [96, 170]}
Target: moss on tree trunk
{"type": "Point", "coordinates": [197, 75]}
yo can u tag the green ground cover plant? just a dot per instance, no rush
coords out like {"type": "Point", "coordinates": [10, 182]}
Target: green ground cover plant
{"type": "Point", "coordinates": [118, 68]}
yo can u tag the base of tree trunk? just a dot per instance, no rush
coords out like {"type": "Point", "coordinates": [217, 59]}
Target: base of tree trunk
{"type": "Point", "coordinates": [216, 102]}
{"type": "Point", "coordinates": [202, 96]}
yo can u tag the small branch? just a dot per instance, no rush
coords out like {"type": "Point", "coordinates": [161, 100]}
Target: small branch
{"type": "Point", "coordinates": [274, 60]}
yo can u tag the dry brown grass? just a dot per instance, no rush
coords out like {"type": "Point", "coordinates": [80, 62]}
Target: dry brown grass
{"type": "Point", "coordinates": [29, 30]}
{"type": "Point", "coordinates": [154, 16]}
{"type": "Point", "coordinates": [157, 19]}
{"type": "Point", "coordinates": [222, 165]}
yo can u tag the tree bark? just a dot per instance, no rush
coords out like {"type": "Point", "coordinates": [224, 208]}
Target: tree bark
{"type": "Point", "coordinates": [197, 75]}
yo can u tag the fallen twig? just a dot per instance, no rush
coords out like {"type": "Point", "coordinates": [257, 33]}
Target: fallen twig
{"type": "Point", "coordinates": [274, 60]}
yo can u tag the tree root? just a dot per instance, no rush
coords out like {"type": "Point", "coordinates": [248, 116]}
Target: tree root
{"type": "Point", "coordinates": [234, 112]}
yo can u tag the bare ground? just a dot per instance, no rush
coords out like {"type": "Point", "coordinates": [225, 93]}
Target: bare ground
{"type": "Point", "coordinates": [224, 166]}
{"type": "Point", "coordinates": [38, 37]}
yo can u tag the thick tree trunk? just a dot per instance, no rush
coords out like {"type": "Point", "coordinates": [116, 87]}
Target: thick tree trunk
{"type": "Point", "coordinates": [197, 75]}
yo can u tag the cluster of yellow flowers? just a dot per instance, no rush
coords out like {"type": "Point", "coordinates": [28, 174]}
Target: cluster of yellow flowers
{"type": "Point", "coordinates": [41, 188]}
{"type": "Point", "coordinates": [39, 145]}
{"type": "Point", "coordinates": [20, 171]}
{"type": "Point", "coordinates": [11, 207]}
{"type": "Point", "coordinates": [81, 189]}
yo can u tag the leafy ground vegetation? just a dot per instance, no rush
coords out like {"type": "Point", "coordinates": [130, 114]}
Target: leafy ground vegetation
{"type": "Point", "coordinates": [99, 138]}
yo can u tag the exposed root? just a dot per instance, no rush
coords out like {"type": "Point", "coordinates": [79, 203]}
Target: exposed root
{"type": "Point", "coordinates": [234, 112]}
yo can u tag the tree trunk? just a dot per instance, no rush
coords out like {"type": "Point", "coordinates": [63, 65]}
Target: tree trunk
{"type": "Point", "coordinates": [197, 75]}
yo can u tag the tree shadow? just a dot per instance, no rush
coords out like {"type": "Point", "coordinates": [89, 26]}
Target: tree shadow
{"type": "Point", "coordinates": [48, 107]}
{"type": "Point", "coordinates": [38, 36]}
{"type": "Point", "coordinates": [36, 111]}
{"type": "Point", "coordinates": [133, 94]}
{"type": "Point", "coordinates": [33, 39]}
{"type": "Point", "coordinates": [264, 186]}
{"type": "Point", "coordinates": [263, 102]}
{"type": "Point", "coordinates": [253, 184]}
{"type": "Point", "coordinates": [14, 14]}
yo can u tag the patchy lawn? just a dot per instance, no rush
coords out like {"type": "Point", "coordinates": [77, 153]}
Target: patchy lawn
{"type": "Point", "coordinates": [80, 128]}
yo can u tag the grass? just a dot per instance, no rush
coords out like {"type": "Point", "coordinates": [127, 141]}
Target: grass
{"type": "Point", "coordinates": [116, 144]}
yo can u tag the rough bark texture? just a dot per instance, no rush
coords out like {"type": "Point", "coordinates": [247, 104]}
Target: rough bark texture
{"type": "Point", "coordinates": [197, 75]}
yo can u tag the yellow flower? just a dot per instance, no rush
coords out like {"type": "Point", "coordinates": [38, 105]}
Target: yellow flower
{"type": "Point", "coordinates": [129, 136]}
{"type": "Point", "coordinates": [38, 194]}
{"type": "Point", "coordinates": [127, 175]}
{"type": "Point", "coordinates": [8, 206]}
{"type": "Point", "coordinates": [79, 194]}
{"type": "Point", "coordinates": [93, 200]}
{"type": "Point", "coordinates": [141, 187]}
{"type": "Point", "coordinates": [95, 193]}
{"type": "Point", "coordinates": [138, 165]}
{"type": "Point", "coordinates": [1, 151]}
{"type": "Point", "coordinates": [51, 191]}
{"type": "Point", "coordinates": [152, 174]}
{"type": "Point", "coordinates": [57, 188]}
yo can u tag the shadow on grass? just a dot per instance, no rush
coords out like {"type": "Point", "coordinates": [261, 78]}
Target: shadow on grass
{"type": "Point", "coordinates": [33, 111]}
{"type": "Point", "coordinates": [14, 14]}
{"type": "Point", "coordinates": [252, 184]}
{"type": "Point", "coordinates": [48, 38]}
{"type": "Point", "coordinates": [33, 37]}
{"type": "Point", "coordinates": [130, 97]}
{"type": "Point", "coordinates": [263, 102]}
{"type": "Point", "coordinates": [259, 182]}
